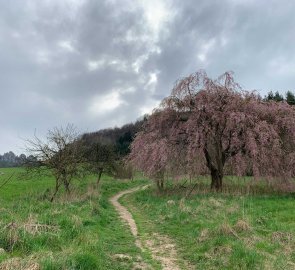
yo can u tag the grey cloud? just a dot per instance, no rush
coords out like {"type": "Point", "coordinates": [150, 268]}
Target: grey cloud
{"type": "Point", "coordinates": [255, 39]}
{"type": "Point", "coordinates": [67, 61]}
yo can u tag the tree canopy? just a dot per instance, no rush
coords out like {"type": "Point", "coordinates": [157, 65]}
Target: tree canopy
{"type": "Point", "coordinates": [289, 97]}
{"type": "Point", "coordinates": [119, 138]}
{"type": "Point", "coordinates": [100, 157]}
{"type": "Point", "coordinates": [9, 159]}
{"type": "Point", "coordinates": [214, 126]}
{"type": "Point", "coordinates": [61, 154]}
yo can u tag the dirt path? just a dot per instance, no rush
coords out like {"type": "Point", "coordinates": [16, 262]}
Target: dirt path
{"type": "Point", "coordinates": [161, 247]}
{"type": "Point", "coordinates": [125, 214]}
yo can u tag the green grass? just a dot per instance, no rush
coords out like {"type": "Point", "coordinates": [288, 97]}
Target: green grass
{"type": "Point", "coordinates": [246, 227]}
{"type": "Point", "coordinates": [221, 231]}
{"type": "Point", "coordinates": [80, 232]}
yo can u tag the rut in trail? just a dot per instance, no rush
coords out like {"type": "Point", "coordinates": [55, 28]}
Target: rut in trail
{"type": "Point", "coordinates": [161, 247]}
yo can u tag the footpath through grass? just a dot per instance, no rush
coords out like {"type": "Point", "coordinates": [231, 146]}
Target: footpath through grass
{"type": "Point", "coordinates": [212, 231]}
{"type": "Point", "coordinates": [80, 232]}
{"type": "Point", "coordinates": [218, 231]}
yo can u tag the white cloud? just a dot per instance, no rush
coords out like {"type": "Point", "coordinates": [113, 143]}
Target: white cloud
{"type": "Point", "coordinates": [94, 65]}
{"type": "Point", "coordinates": [153, 78]}
{"type": "Point", "coordinates": [113, 63]}
{"type": "Point", "coordinates": [157, 13]}
{"type": "Point", "coordinates": [104, 104]}
{"type": "Point", "coordinates": [149, 107]}
{"type": "Point", "coordinates": [205, 49]}
{"type": "Point", "coordinates": [66, 45]}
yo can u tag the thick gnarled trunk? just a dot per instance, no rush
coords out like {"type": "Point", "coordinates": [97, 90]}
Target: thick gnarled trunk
{"type": "Point", "coordinates": [215, 163]}
{"type": "Point", "coordinates": [216, 180]}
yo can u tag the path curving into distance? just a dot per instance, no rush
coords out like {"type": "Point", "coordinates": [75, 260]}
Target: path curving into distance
{"type": "Point", "coordinates": [125, 215]}
{"type": "Point", "coordinates": [161, 247]}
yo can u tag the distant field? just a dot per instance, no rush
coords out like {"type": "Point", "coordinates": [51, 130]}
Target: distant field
{"type": "Point", "coordinates": [20, 186]}
{"type": "Point", "coordinates": [81, 233]}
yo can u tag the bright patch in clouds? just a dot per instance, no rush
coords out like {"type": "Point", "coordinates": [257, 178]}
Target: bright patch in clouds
{"type": "Point", "coordinates": [149, 107]}
{"type": "Point", "coordinates": [205, 49]}
{"type": "Point", "coordinates": [153, 78]}
{"type": "Point", "coordinates": [139, 63]}
{"type": "Point", "coordinates": [105, 104]}
{"type": "Point", "coordinates": [43, 57]}
{"type": "Point", "coordinates": [94, 65]}
{"type": "Point", "coordinates": [152, 82]}
{"type": "Point", "coordinates": [157, 13]}
{"type": "Point", "coordinates": [66, 45]}
{"type": "Point", "coordinates": [115, 64]}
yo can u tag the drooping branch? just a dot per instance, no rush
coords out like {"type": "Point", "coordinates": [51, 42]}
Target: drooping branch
{"type": "Point", "coordinates": [225, 127]}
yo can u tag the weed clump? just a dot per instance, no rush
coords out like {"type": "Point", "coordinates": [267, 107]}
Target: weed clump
{"type": "Point", "coordinates": [204, 235]}
{"type": "Point", "coordinates": [18, 263]}
{"type": "Point", "coordinates": [242, 226]}
{"type": "Point", "coordinates": [281, 237]}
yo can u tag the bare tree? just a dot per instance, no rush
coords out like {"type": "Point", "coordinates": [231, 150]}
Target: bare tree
{"type": "Point", "coordinates": [100, 157]}
{"type": "Point", "coordinates": [60, 153]}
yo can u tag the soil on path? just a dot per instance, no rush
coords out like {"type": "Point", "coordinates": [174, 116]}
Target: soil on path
{"type": "Point", "coordinates": [125, 214]}
{"type": "Point", "coordinates": [161, 247]}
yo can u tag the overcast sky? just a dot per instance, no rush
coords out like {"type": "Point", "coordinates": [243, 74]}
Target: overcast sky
{"type": "Point", "coordinates": [101, 63]}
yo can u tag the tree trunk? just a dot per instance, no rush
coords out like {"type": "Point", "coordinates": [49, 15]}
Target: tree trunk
{"type": "Point", "coordinates": [216, 179]}
{"type": "Point", "coordinates": [99, 177]}
{"type": "Point", "coordinates": [67, 186]}
{"type": "Point", "coordinates": [160, 184]}
{"type": "Point", "coordinates": [57, 185]}
{"type": "Point", "coordinates": [215, 163]}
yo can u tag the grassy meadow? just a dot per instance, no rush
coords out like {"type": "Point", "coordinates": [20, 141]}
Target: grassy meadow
{"type": "Point", "coordinates": [237, 229]}
{"type": "Point", "coordinates": [221, 231]}
{"type": "Point", "coordinates": [81, 232]}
